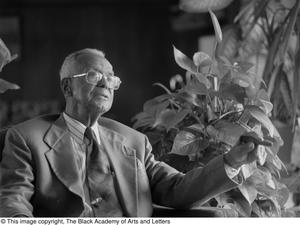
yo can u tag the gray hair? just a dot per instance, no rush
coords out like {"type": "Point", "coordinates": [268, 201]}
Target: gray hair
{"type": "Point", "coordinates": [79, 61]}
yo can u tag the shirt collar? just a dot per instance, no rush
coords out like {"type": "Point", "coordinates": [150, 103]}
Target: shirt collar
{"type": "Point", "coordinates": [77, 128]}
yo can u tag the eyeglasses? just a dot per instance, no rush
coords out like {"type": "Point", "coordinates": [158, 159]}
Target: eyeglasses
{"type": "Point", "coordinates": [93, 77]}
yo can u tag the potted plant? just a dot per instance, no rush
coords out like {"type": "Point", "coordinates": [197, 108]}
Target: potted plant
{"type": "Point", "coordinates": [218, 103]}
{"type": "Point", "coordinates": [5, 58]}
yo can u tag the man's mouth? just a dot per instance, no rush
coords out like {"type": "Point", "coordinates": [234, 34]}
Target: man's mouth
{"type": "Point", "coordinates": [103, 95]}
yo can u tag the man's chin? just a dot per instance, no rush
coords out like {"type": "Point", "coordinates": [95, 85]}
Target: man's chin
{"type": "Point", "coordinates": [103, 108]}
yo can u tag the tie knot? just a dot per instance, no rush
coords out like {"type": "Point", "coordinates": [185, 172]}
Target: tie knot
{"type": "Point", "coordinates": [89, 134]}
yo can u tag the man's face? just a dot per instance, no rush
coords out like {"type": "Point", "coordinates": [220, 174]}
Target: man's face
{"type": "Point", "coordinates": [95, 98]}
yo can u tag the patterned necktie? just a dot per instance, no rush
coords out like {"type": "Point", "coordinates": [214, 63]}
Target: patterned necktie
{"type": "Point", "coordinates": [99, 180]}
{"type": "Point", "coordinates": [96, 161]}
{"type": "Point", "coordinates": [93, 149]}
{"type": "Point", "coordinates": [93, 163]}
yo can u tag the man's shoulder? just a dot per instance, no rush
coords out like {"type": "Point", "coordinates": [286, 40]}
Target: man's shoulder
{"type": "Point", "coordinates": [131, 137]}
{"type": "Point", "coordinates": [118, 127]}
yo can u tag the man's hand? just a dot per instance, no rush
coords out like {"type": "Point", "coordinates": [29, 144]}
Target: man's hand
{"type": "Point", "coordinates": [241, 154]}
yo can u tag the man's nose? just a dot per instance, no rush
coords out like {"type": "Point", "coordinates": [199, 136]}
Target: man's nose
{"type": "Point", "coordinates": [103, 83]}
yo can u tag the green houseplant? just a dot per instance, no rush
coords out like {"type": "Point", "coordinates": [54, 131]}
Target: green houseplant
{"type": "Point", "coordinates": [5, 58]}
{"type": "Point", "coordinates": [219, 102]}
{"type": "Point", "coordinates": [266, 32]}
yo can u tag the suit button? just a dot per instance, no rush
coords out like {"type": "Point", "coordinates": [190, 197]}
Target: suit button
{"type": "Point", "coordinates": [96, 202]}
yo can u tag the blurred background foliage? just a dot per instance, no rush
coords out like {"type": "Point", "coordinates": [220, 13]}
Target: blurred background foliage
{"type": "Point", "coordinates": [264, 34]}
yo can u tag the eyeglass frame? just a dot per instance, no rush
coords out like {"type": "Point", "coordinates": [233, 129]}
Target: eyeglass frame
{"type": "Point", "coordinates": [100, 75]}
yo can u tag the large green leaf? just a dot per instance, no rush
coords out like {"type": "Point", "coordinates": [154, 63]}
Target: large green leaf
{"type": "Point", "coordinates": [261, 117]}
{"type": "Point", "coordinates": [217, 28]}
{"type": "Point", "coordinates": [201, 59]}
{"type": "Point", "coordinates": [264, 100]}
{"type": "Point", "coordinates": [263, 181]}
{"type": "Point", "coordinates": [143, 119]}
{"type": "Point", "coordinates": [276, 140]}
{"type": "Point", "coordinates": [199, 77]}
{"type": "Point", "coordinates": [243, 77]}
{"type": "Point", "coordinates": [5, 58]}
{"type": "Point", "coordinates": [169, 118]}
{"type": "Point", "coordinates": [151, 111]}
{"type": "Point", "coordinates": [186, 99]}
{"type": "Point", "coordinates": [274, 159]}
{"type": "Point", "coordinates": [5, 55]}
{"type": "Point", "coordinates": [243, 206]}
{"type": "Point", "coordinates": [248, 169]}
{"type": "Point", "coordinates": [196, 6]}
{"type": "Point", "coordinates": [211, 115]}
{"type": "Point", "coordinates": [191, 141]}
{"type": "Point", "coordinates": [261, 154]}
{"type": "Point", "coordinates": [5, 85]}
{"type": "Point", "coordinates": [249, 191]}
{"type": "Point", "coordinates": [226, 132]}
{"type": "Point", "coordinates": [183, 61]}
{"type": "Point", "coordinates": [156, 105]}
{"type": "Point", "coordinates": [197, 85]}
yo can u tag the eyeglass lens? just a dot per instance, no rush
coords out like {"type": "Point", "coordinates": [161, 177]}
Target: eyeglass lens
{"type": "Point", "coordinates": [94, 77]}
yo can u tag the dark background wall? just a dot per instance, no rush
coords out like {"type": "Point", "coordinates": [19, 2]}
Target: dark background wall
{"type": "Point", "coordinates": [137, 37]}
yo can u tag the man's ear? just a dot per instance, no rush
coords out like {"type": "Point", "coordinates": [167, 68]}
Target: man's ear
{"type": "Point", "coordinates": [66, 88]}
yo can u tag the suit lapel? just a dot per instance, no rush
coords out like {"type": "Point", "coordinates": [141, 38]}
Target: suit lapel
{"type": "Point", "coordinates": [61, 156]}
{"type": "Point", "coordinates": [123, 161]}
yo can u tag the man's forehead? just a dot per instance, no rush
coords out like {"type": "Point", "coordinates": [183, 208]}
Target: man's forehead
{"type": "Point", "coordinates": [94, 62]}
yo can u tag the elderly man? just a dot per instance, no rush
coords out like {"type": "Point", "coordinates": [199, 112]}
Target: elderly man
{"type": "Point", "coordinates": [79, 163]}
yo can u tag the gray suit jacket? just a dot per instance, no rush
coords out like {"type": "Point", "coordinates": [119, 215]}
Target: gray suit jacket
{"type": "Point", "coordinates": [38, 175]}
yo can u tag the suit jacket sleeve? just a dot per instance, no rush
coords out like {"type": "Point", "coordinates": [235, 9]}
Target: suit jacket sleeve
{"type": "Point", "coordinates": [16, 176]}
{"type": "Point", "coordinates": [174, 189]}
